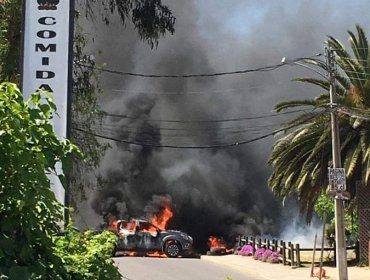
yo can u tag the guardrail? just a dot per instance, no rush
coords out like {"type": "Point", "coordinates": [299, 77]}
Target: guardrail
{"type": "Point", "coordinates": [290, 253]}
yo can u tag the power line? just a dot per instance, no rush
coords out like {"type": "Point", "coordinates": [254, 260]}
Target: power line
{"type": "Point", "coordinates": [230, 128]}
{"type": "Point", "coordinates": [121, 73]}
{"type": "Point", "coordinates": [201, 132]}
{"type": "Point", "coordinates": [203, 121]}
{"type": "Point", "coordinates": [226, 145]}
{"type": "Point", "coordinates": [185, 93]}
{"type": "Point", "coordinates": [201, 75]}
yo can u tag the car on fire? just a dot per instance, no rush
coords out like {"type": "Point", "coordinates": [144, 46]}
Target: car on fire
{"type": "Point", "coordinates": [141, 235]}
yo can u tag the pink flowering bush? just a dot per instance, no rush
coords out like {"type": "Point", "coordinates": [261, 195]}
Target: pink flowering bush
{"type": "Point", "coordinates": [259, 253]}
{"type": "Point", "coordinates": [266, 254]}
{"type": "Point", "coordinates": [246, 250]}
{"type": "Point", "coordinates": [274, 257]}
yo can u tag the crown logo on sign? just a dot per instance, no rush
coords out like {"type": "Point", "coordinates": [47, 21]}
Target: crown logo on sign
{"type": "Point", "coordinates": [48, 4]}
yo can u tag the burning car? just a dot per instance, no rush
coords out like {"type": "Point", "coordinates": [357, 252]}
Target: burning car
{"type": "Point", "coordinates": [141, 235]}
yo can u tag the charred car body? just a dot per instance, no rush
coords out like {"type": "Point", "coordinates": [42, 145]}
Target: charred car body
{"type": "Point", "coordinates": [141, 235]}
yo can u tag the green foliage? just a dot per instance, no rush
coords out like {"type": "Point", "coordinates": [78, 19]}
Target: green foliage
{"type": "Point", "coordinates": [301, 158]}
{"type": "Point", "coordinates": [324, 206]}
{"type": "Point", "coordinates": [28, 209]}
{"type": "Point", "coordinates": [150, 18]}
{"type": "Point", "coordinates": [85, 113]}
{"type": "Point", "coordinates": [87, 256]}
{"type": "Point", "coordinates": [10, 38]}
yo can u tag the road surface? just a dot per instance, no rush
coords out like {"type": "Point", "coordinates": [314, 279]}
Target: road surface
{"type": "Point", "coordinates": [144, 268]}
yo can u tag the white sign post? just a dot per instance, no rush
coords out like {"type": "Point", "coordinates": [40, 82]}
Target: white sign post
{"type": "Point", "coordinates": [47, 53]}
{"type": "Point", "coordinates": [337, 179]}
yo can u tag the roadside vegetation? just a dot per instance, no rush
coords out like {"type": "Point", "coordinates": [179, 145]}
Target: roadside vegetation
{"type": "Point", "coordinates": [33, 244]}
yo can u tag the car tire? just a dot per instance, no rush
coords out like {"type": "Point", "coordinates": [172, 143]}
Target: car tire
{"type": "Point", "coordinates": [172, 249]}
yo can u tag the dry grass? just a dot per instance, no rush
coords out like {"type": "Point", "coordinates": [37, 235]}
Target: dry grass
{"type": "Point", "coordinates": [328, 256]}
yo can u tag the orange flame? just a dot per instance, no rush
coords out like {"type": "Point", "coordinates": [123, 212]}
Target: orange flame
{"type": "Point", "coordinates": [156, 254]}
{"type": "Point", "coordinates": [214, 242]}
{"type": "Point", "coordinates": [161, 219]}
{"type": "Point", "coordinates": [218, 243]}
{"type": "Point", "coordinates": [113, 225]}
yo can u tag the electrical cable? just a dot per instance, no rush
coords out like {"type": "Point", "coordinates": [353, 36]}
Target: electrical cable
{"type": "Point", "coordinates": [201, 133]}
{"type": "Point", "coordinates": [192, 129]}
{"type": "Point", "coordinates": [121, 73]}
{"type": "Point", "coordinates": [184, 93]}
{"type": "Point", "coordinates": [201, 75]}
{"type": "Point", "coordinates": [203, 121]}
{"type": "Point", "coordinates": [226, 145]}
{"type": "Point", "coordinates": [215, 146]}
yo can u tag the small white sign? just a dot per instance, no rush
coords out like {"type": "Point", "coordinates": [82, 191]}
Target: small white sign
{"type": "Point", "coordinates": [337, 179]}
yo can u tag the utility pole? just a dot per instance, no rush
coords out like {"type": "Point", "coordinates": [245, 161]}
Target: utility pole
{"type": "Point", "coordinates": [341, 252]}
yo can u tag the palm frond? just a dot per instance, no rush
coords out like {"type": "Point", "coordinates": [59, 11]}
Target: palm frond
{"type": "Point", "coordinates": [293, 103]}
{"type": "Point", "coordinates": [344, 82]}
{"type": "Point", "coordinates": [352, 159]}
{"type": "Point", "coordinates": [303, 119]}
{"type": "Point", "coordinates": [360, 46]}
{"type": "Point", "coordinates": [338, 47]}
{"type": "Point", "coordinates": [318, 82]}
{"type": "Point", "coordinates": [366, 170]}
{"type": "Point", "coordinates": [323, 98]}
{"type": "Point", "coordinates": [354, 71]}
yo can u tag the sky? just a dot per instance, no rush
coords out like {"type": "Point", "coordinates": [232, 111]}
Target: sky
{"type": "Point", "coordinates": [210, 36]}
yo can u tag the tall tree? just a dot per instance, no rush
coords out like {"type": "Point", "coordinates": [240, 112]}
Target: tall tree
{"type": "Point", "coordinates": [301, 158]}
{"type": "Point", "coordinates": [10, 38]}
{"type": "Point", "coordinates": [150, 18]}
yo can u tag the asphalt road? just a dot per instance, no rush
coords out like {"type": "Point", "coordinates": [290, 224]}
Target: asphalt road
{"type": "Point", "coordinates": [144, 268]}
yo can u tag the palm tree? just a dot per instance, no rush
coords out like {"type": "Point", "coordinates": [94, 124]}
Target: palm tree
{"type": "Point", "coordinates": [300, 159]}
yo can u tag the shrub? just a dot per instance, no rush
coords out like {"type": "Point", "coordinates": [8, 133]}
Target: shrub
{"type": "Point", "coordinates": [259, 253]}
{"type": "Point", "coordinates": [274, 257]}
{"type": "Point", "coordinates": [29, 212]}
{"type": "Point", "coordinates": [246, 250]}
{"type": "Point", "coordinates": [88, 256]}
{"type": "Point", "coordinates": [266, 254]}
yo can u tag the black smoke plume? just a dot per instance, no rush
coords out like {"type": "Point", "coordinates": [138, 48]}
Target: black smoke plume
{"type": "Point", "coordinates": [220, 192]}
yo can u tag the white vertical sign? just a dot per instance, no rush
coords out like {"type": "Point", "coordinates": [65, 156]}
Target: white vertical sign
{"type": "Point", "coordinates": [337, 179]}
{"type": "Point", "coordinates": [47, 25]}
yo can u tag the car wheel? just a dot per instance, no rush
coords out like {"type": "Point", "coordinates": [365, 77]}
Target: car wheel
{"type": "Point", "coordinates": [172, 249]}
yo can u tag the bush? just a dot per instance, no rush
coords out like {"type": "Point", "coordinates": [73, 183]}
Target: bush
{"type": "Point", "coordinates": [266, 255]}
{"type": "Point", "coordinates": [88, 256]}
{"type": "Point", "coordinates": [274, 257]}
{"type": "Point", "coordinates": [246, 250]}
{"type": "Point", "coordinates": [259, 253]}
{"type": "Point", "coordinates": [29, 212]}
